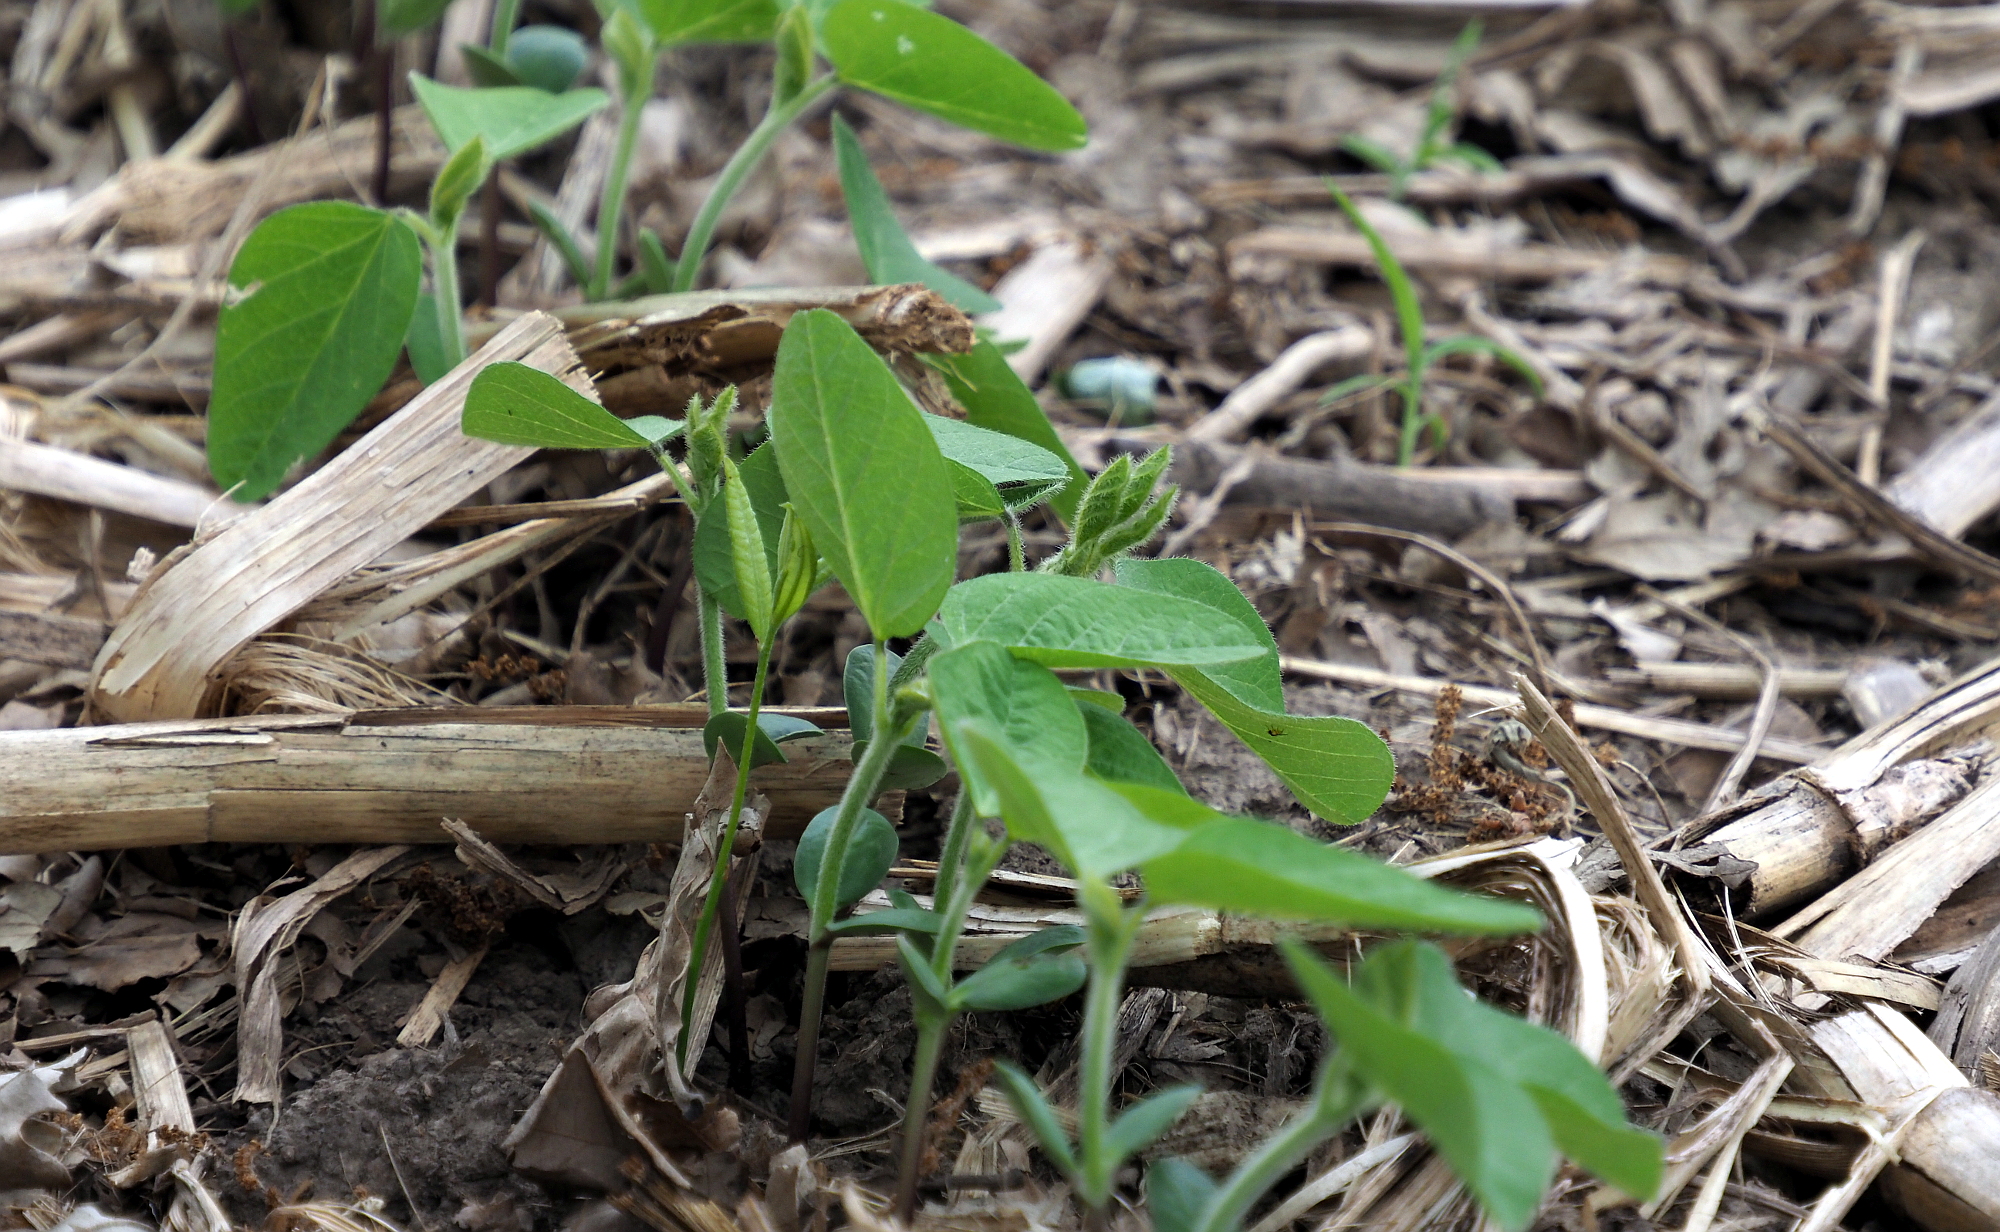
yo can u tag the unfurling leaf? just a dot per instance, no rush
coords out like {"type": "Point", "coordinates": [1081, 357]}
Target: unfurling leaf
{"type": "Point", "coordinates": [749, 560]}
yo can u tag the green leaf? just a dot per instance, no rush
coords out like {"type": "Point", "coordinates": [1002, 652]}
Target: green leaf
{"type": "Point", "coordinates": [456, 181]}
{"type": "Point", "coordinates": [864, 473]}
{"type": "Point", "coordinates": [236, 8]}
{"type": "Point", "coordinates": [1034, 1110]}
{"type": "Point", "coordinates": [1364, 382]}
{"type": "Point", "coordinates": [1487, 1128]}
{"type": "Point", "coordinates": [332, 288]}
{"type": "Point", "coordinates": [1471, 156]}
{"type": "Point", "coordinates": [517, 405]}
{"type": "Point", "coordinates": [486, 69]}
{"type": "Point", "coordinates": [857, 686]}
{"type": "Point", "coordinates": [995, 398]}
{"type": "Point", "coordinates": [934, 64]}
{"type": "Point", "coordinates": [772, 731]}
{"type": "Point", "coordinates": [752, 558]}
{"type": "Point", "coordinates": [1138, 1126]}
{"type": "Point", "coordinates": [396, 18]}
{"type": "Point", "coordinates": [1074, 622]}
{"type": "Point", "coordinates": [1176, 1194]}
{"type": "Point", "coordinates": [1374, 153]}
{"type": "Point", "coordinates": [1023, 473]}
{"type": "Point", "coordinates": [1091, 828]}
{"type": "Point", "coordinates": [1263, 869]}
{"type": "Point", "coordinates": [1409, 313]}
{"type": "Point", "coordinates": [1102, 699]}
{"type": "Point", "coordinates": [1336, 767]}
{"type": "Point", "coordinates": [653, 263]}
{"type": "Point", "coordinates": [428, 357]}
{"type": "Point", "coordinates": [715, 530]}
{"type": "Point", "coordinates": [1472, 344]}
{"type": "Point", "coordinates": [1256, 682]}
{"type": "Point", "coordinates": [885, 249]}
{"type": "Point", "coordinates": [548, 58]}
{"type": "Point", "coordinates": [1039, 968]}
{"type": "Point", "coordinates": [1019, 702]}
{"type": "Point", "coordinates": [896, 920]}
{"type": "Point", "coordinates": [1120, 752]}
{"type": "Point", "coordinates": [973, 497]}
{"type": "Point", "coordinates": [927, 990]}
{"type": "Point", "coordinates": [710, 21]}
{"type": "Point", "coordinates": [910, 767]}
{"type": "Point", "coordinates": [1582, 1110]}
{"type": "Point", "coordinates": [512, 119]}
{"type": "Point", "coordinates": [871, 851]}
{"type": "Point", "coordinates": [626, 38]}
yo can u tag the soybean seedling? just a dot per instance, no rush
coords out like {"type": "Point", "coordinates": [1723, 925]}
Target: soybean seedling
{"type": "Point", "coordinates": [873, 484]}
{"type": "Point", "coordinates": [900, 51]}
{"type": "Point", "coordinates": [1418, 356]}
{"type": "Point", "coordinates": [1434, 144]}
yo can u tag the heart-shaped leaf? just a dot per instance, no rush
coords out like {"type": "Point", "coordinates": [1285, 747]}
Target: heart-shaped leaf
{"type": "Point", "coordinates": [932, 63]}
{"type": "Point", "coordinates": [871, 852]}
{"type": "Point", "coordinates": [331, 287]}
{"type": "Point", "coordinates": [886, 250]}
{"type": "Point", "coordinates": [512, 119]}
{"type": "Point", "coordinates": [517, 405]}
{"type": "Point", "coordinates": [863, 473]}
{"type": "Point", "coordinates": [1074, 622]}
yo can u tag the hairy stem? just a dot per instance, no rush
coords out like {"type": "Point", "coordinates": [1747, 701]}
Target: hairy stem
{"type": "Point", "coordinates": [917, 1112]}
{"type": "Point", "coordinates": [612, 204]}
{"type": "Point", "coordinates": [714, 663]}
{"type": "Point", "coordinates": [1109, 934]}
{"type": "Point", "coordinates": [444, 269]}
{"type": "Point", "coordinates": [739, 167]}
{"type": "Point", "coordinates": [958, 833]}
{"type": "Point", "coordinates": [711, 904]}
{"type": "Point", "coordinates": [1278, 1154]}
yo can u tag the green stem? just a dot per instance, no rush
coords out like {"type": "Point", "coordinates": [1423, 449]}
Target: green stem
{"type": "Point", "coordinates": [612, 204]}
{"type": "Point", "coordinates": [1413, 423]}
{"type": "Point", "coordinates": [1278, 1154]}
{"type": "Point", "coordinates": [714, 661]}
{"type": "Point", "coordinates": [1109, 935]}
{"type": "Point", "coordinates": [444, 271]}
{"type": "Point", "coordinates": [711, 905]}
{"type": "Point", "coordinates": [956, 836]}
{"type": "Point", "coordinates": [916, 1113]}
{"type": "Point", "coordinates": [861, 788]}
{"type": "Point", "coordinates": [1017, 556]}
{"type": "Point", "coordinates": [738, 168]}
{"type": "Point", "coordinates": [505, 14]}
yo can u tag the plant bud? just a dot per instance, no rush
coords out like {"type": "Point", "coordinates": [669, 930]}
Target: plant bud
{"type": "Point", "coordinates": [800, 571]}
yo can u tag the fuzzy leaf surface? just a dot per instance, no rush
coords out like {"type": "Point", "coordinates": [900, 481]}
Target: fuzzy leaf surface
{"type": "Point", "coordinates": [1075, 622]}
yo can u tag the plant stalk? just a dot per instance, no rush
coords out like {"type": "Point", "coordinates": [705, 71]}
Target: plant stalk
{"type": "Point", "coordinates": [444, 269]}
{"type": "Point", "coordinates": [734, 172]}
{"type": "Point", "coordinates": [917, 1112]}
{"type": "Point", "coordinates": [711, 904]}
{"type": "Point", "coordinates": [1109, 934]}
{"type": "Point", "coordinates": [799, 1123]}
{"type": "Point", "coordinates": [714, 661]}
{"type": "Point", "coordinates": [612, 204]}
{"type": "Point", "coordinates": [861, 787]}
{"type": "Point", "coordinates": [505, 14]}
